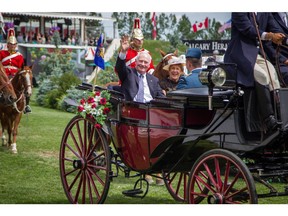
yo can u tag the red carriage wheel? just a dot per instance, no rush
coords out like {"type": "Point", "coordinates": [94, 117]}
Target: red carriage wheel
{"type": "Point", "coordinates": [85, 162]}
{"type": "Point", "coordinates": [176, 184]}
{"type": "Point", "coordinates": [219, 176]}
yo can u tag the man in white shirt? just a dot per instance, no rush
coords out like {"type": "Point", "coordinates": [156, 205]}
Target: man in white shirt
{"type": "Point", "coordinates": [130, 77]}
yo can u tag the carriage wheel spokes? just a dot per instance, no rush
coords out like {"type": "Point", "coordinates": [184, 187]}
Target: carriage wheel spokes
{"type": "Point", "coordinates": [176, 184]}
{"type": "Point", "coordinates": [219, 176]}
{"type": "Point", "coordinates": [85, 164]}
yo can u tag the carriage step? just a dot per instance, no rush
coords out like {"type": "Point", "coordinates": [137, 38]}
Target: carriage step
{"type": "Point", "coordinates": [132, 192]}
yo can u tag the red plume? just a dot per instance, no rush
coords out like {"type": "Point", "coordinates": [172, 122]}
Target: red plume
{"type": "Point", "coordinates": [137, 23]}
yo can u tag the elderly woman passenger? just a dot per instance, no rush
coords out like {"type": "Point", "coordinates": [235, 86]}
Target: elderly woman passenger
{"type": "Point", "coordinates": [175, 68]}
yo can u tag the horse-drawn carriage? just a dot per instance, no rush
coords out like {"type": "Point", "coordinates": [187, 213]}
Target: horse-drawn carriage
{"type": "Point", "coordinates": [182, 137]}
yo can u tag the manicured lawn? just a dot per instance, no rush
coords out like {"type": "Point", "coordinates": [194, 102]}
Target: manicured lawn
{"type": "Point", "coordinates": [32, 175]}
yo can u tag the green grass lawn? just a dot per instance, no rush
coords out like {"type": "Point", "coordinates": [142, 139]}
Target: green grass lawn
{"type": "Point", "coordinates": [32, 176]}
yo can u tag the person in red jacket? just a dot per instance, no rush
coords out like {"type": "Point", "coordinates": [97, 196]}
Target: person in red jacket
{"type": "Point", "coordinates": [137, 40]}
{"type": "Point", "coordinates": [13, 60]}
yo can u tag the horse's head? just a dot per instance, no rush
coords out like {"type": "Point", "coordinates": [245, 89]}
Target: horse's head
{"type": "Point", "coordinates": [7, 93]}
{"type": "Point", "coordinates": [159, 72]}
{"type": "Point", "coordinates": [23, 80]}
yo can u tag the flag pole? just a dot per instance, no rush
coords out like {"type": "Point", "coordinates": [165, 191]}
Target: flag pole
{"type": "Point", "coordinates": [94, 79]}
{"type": "Point", "coordinates": [98, 59]}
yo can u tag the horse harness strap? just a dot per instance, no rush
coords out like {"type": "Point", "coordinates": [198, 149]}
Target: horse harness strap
{"type": "Point", "coordinates": [23, 71]}
{"type": "Point", "coordinates": [5, 84]}
{"type": "Point", "coordinates": [15, 104]}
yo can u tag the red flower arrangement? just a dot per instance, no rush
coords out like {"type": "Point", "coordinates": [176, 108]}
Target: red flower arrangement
{"type": "Point", "coordinates": [96, 106]}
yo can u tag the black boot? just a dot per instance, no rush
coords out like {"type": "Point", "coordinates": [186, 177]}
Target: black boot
{"type": "Point", "coordinates": [27, 108]}
{"type": "Point", "coordinates": [265, 107]}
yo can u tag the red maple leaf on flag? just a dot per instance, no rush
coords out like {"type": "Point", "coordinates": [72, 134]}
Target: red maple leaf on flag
{"type": "Point", "coordinates": [201, 25]}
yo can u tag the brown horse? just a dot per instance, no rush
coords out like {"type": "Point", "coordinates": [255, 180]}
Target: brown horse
{"type": "Point", "coordinates": [7, 94]}
{"type": "Point", "coordinates": [11, 115]}
{"type": "Point", "coordinates": [159, 72]}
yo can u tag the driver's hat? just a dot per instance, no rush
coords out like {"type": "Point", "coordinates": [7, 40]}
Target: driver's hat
{"type": "Point", "coordinates": [11, 36]}
{"type": "Point", "coordinates": [137, 32]}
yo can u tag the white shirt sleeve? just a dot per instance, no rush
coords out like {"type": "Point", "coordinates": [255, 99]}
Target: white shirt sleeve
{"type": "Point", "coordinates": [122, 56]}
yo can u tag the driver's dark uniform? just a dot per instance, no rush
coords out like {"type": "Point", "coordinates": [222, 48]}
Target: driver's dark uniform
{"type": "Point", "coordinates": [243, 50]}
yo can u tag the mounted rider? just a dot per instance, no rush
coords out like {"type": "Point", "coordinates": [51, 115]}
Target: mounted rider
{"type": "Point", "coordinates": [13, 61]}
{"type": "Point", "coordinates": [136, 44]}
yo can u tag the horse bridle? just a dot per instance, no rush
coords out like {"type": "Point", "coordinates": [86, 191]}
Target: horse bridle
{"type": "Point", "coordinates": [25, 71]}
{"type": "Point", "coordinates": [167, 55]}
{"type": "Point", "coordinates": [21, 91]}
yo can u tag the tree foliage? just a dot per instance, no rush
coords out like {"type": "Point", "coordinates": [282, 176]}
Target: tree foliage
{"type": "Point", "coordinates": [168, 27]}
{"type": "Point", "coordinates": [94, 27]}
{"type": "Point", "coordinates": [56, 76]}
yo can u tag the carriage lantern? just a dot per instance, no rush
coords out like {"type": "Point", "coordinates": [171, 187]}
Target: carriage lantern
{"type": "Point", "coordinates": [212, 76]}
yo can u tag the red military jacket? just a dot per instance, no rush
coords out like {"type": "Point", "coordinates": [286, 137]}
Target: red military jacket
{"type": "Point", "coordinates": [131, 59]}
{"type": "Point", "coordinates": [11, 62]}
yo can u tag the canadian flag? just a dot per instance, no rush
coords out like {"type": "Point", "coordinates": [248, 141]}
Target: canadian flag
{"type": "Point", "coordinates": [154, 32]}
{"type": "Point", "coordinates": [201, 25]}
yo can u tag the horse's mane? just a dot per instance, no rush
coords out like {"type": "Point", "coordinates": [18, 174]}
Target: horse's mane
{"type": "Point", "coordinates": [159, 72]}
{"type": "Point", "coordinates": [3, 73]}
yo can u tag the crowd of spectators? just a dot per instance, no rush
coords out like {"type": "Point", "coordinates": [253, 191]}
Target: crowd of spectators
{"type": "Point", "coordinates": [46, 38]}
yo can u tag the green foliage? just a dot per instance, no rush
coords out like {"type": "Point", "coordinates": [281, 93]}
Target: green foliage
{"type": "Point", "coordinates": [94, 27]}
{"type": "Point", "coordinates": [46, 86]}
{"type": "Point", "coordinates": [52, 89]}
{"type": "Point", "coordinates": [56, 77]}
{"type": "Point", "coordinates": [66, 81]}
{"type": "Point", "coordinates": [72, 97]}
{"type": "Point", "coordinates": [154, 46]}
{"type": "Point", "coordinates": [58, 61]}
{"type": "Point", "coordinates": [184, 27]}
{"type": "Point", "coordinates": [51, 98]}
{"type": "Point", "coordinates": [108, 75]}
{"type": "Point", "coordinates": [56, 40]}
{"type": "Point", "coordinates": [36, 53]}
{"type": "Point", "coordinates": [125, 21]}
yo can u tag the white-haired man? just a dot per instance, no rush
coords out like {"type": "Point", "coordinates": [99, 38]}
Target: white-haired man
{"type": "Point", "coordinates": [137, 85]}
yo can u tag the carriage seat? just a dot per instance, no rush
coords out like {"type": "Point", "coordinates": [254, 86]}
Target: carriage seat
{"type": "Point", "coordinates": [198, 97]}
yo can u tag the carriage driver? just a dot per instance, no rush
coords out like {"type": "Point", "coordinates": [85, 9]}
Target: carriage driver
{"type": "Point", "coordinates": [13, 60]}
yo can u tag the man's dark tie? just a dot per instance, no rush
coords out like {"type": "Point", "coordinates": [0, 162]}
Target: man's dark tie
{"type": "Point", "coordinates": [140, 94]}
